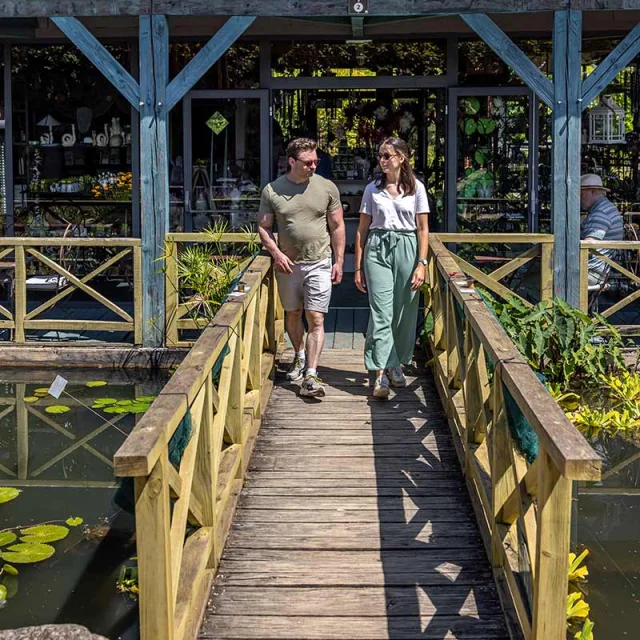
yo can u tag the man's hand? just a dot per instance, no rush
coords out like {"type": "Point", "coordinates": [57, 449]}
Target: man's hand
{"type": "Point", "coordinates": [336, 274]}
{"type": "Point", "coordinates": [283, 263]}
{"type": "Point", "coordinates": [418, 277]}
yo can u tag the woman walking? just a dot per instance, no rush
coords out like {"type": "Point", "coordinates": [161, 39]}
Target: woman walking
{"type": "Point", "coordinates": [391, 258]}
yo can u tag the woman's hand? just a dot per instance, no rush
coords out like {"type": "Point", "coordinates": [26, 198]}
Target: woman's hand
{"type": "Point", "coordinates": [418, 277]}
{"type": "Point", "coordinates": [360, 280]}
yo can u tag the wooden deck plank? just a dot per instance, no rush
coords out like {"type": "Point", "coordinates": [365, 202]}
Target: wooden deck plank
{"type": "Point", "coordinates": [354, 522]}
{"type": "Point", "coordinates": [353, 628]}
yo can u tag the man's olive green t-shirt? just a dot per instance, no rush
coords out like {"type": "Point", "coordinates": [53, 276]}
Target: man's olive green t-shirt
{"type": "Point", "coordinates": [301, 212]}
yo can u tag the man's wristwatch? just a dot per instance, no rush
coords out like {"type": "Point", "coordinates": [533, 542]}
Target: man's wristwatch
{"type": "Point", "coordinates": [423, 261]}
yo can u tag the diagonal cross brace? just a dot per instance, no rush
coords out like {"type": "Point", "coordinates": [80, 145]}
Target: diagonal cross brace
{"type": "Point", "coordinates": [500, 42]}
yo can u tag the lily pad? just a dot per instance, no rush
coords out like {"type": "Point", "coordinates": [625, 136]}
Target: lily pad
{"type": "Point", "coordinates": [105, 401]}
{"type": "Point", "coordinates": [57, 408]}
{"type": "Point", "coordinates": [31, 399]}
{"type": "Point", "coordinates": [471, 105]}
{"type": "Point", "coordinates": [11, 583]}
{"type": "Point", "coordinates": [44, 390]}
{"type": "Point", "coordinates": [7, 537]}
{"type": "Point", "coordinates": [96, 383]}
{"type": "Point", "coordinates": [8, 493]}
{"type": "Point", "coordinates": [27, 553]}
{"type": "Point", "coordinates": [12, 571]}
{"type": "Point", "coordinates": [74, 522]}
{"type": "Point", "coordinates": [148, 399]}
{"type": "Point", "coordinates": [115, 409]}
{"type": "Point", "coordinates": [139, 408]}
{"type": "Point", "coordinates": [122, 403]}
{"type": "Point", "coordinates": [44, 533]}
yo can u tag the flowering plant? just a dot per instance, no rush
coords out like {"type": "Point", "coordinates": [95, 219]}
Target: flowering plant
{"type": "Point", "coordinates": [113, 186]}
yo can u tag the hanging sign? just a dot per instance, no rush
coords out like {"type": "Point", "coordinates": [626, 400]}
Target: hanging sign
{"type": "Point", "coordinates": [358, 7]}
{"type": "Point", "coordinates": [217, 122]}
{"type": "Point", "coordinates": [57, 387]}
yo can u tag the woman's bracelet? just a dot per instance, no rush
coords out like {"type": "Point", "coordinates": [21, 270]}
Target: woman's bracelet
{"type": "Point", "coordinates": [356, 270]}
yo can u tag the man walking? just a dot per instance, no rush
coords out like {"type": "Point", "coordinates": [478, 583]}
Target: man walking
{"type": "Point", "coordinates": [308, 212]}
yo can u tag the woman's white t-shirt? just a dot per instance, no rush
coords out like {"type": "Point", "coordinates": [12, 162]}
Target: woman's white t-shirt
{"type": "Point", "coordinates": [393, 214]}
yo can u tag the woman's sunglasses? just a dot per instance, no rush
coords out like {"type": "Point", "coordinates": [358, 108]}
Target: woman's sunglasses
{"type": "Point", "coordinates": [386, 156]}
{"type": "Point", "coordinates": [309, 163]}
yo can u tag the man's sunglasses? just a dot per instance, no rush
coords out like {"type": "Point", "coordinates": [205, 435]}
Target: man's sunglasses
{"type": "Point", "coordinates": [309, 163]}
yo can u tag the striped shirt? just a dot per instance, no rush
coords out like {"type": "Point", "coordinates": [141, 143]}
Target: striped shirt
{"type": "Point", "coordinates": [603, 222]}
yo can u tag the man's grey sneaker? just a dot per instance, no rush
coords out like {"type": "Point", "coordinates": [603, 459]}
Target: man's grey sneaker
{"type": "Point", "coordinates": [381, 387]}
{"type": "Point", "coordinates": [297, 370]}
{"type": "Point", "coordinates": [396, 377]}
{"type": "Point", "coordinates": [312, 387]}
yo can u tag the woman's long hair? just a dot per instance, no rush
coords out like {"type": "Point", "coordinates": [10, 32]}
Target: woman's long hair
{"type": "Point", "coordinates": [407, 181]}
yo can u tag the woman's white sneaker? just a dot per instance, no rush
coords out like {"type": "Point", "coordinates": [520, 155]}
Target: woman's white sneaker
{"type": "Point", "coordinates": [396, 376]}
{"type": "Point", "coordinates": [381, 387]}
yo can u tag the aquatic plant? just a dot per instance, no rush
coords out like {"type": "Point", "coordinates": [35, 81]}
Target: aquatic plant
{"type": "Point", "coordinates": [95, 383]}
{"type": "Point", "coordinates": [111, 405]}
{"type": "Point", "coordinates": [26, 545]}
{"type": "Point", "coordinates": [127, 581]}
{"type": "Point", "coordinates": [578, 608]}
{"type": "Point", "coordinates": [57, 409]}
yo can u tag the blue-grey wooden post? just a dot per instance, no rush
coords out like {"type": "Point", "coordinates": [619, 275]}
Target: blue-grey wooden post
{"type": "Point", "coordinates": [565, 189]}
{"type": "Point", "coordinates": [154, 167]}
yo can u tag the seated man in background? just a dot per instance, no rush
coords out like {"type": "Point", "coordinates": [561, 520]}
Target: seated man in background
{"type": "Point", "coordinates": [603, 222]}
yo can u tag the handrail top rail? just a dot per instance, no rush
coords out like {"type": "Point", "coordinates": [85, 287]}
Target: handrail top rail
{"type": "Point", "coordinates": [609, 244]}
{"type": "Point", "coordinates": [57, 242]}
{"type": "Point", "coordinates": [142, 448]}
{"type": "Point", "coordinates": [502, 238]}
{"type": "Point", "coordinates": [571, 453]}
{"type": "Point", "coordinates": [184, 236]}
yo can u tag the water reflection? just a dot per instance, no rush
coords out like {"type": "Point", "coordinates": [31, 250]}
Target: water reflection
{"type": "Point", "coordinates": [62, 463]}
{"type": "Point", "coordinates": [608, 524]}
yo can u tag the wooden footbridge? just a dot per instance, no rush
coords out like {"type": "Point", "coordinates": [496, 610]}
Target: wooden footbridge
{"type": "Point", "coordinates": [352, 518]}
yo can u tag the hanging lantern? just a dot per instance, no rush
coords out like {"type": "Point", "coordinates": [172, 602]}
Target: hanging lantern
{"type": "Point", "coordinates": [606, 122]}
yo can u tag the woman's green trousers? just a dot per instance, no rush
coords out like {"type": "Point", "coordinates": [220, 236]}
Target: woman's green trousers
{"type": "Point", "coordinates": [390, 258]}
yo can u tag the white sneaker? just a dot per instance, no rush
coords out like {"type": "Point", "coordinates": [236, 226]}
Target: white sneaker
{"type": "Point", "coordinates": [296, 371]}
{"type": "Point", "coordinates": [381, 387]}
{"type": "Point", "coordinates": [396, 377]}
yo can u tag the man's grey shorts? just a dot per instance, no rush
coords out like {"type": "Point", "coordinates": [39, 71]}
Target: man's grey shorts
{"type": "Point", "coordinates": [308, 287]}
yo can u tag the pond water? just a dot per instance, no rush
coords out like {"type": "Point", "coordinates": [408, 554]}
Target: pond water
{"type": "Point", "coordinates": [609, 526]}
{"type": "Point", "coordinates": [61, 463]}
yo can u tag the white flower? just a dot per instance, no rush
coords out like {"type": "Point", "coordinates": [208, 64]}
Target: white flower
{"type": "Point", "coordinates": [406, 122]}
{"type": "Point", "coordinates": [381, 112]}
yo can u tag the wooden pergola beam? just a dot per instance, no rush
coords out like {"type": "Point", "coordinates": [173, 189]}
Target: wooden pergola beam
{"type": "Point", "coordinates": [93, 49]}
{"type": "Point", "coordinates": [609, 68]}
{"type": "Point", "coordinates": [289, 8]}
{"type": "Point", "coordinates": [206, 58]}
{"type": "Point", "coordinates": [495, 38]}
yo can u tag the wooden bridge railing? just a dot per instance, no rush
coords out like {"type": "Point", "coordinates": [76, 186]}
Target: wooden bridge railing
{"type": "Point", "coordinates": [184, 508]}
{"type": "Point", "coordinates": [541, 247]}
{"type": "Point", "coordinates": [627, 253]}
{"type": "Point", "coordinates": [524, 510]}
{"type": "Point", "coordinates": [14, 253]}
{"type": "Point", "coordinates": [178, 312]}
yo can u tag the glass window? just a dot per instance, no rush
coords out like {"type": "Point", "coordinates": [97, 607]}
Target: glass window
{"type": "Point", "coordinates": [365, 58]}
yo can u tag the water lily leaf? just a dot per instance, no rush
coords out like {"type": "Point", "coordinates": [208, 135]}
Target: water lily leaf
{"type": "Point", "coordinates": [12, 571]}
{"type": "Point", "coordinates": [26, 553]}
{"type": "Point", "coordinates": [44, 533]}
{"type": "Point", "coordinates": [115, 410]}
{"type": "Point", "coordinates": [148, 399]}
{"type": "Point", "coordinates": [74, 522]}
{"type": "Point", "coordinates": [124, 402]}
{"type": "Point", "coordinates": [11, 583]}
{"type": "Point", "coordinates": [7, 537]}
{"type": "Point", "coordinates": [469, 126]}
{"type": "Point", "coordinates": [57, 408]}
{"type": "Point", "coordinates": [471, 105]}
{"type": "Point", "coordinates": [44, 390]}
{"type": "Point", "coordinates": [31, 399]}
{"type": "Point", "coordinates": [96, 383]}
{"type": "Point", "coordinates": [486, 125]}
{"type": "Point", "coordinates": [8, 493]}
{"type": "Point", "coordinates": [105, 401]}
{"type": "Point", "coordinates": [138, 408]}
{"type": "Point", "coordinates": [3, 593]}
